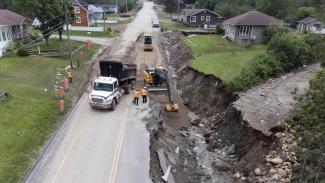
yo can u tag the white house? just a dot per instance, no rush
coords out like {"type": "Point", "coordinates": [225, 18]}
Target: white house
{"type": "Point", "coordinates": [12, 26]}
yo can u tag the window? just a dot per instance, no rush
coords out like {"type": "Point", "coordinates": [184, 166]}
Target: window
{"type": "Point", "coordinates": [103, 87]}
{"type": "Point", "coordinates": [4, 35]}
{"type": "Point", "coordinates": [246, 30]}
{"type": "Point", "coordinates": [193, 19]}
{"type": "Point", "coordinates": [202, 17]}
{"type": "Point", "coordinates": [77, 9]}
{"type": "Point", "coordinates": [78, 20]}
{"type": "Point", "coordinates": [208, 18]}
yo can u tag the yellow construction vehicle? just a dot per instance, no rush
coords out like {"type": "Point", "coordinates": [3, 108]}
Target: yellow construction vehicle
{"type": "Point", "coordinates": [157, 79]}
{"type": "Point", "coordinates": [147, 42]}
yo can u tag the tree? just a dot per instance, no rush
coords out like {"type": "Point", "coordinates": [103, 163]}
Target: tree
{"type": "Point", "coordinates": [291, 50]}
{"type": "Point", "coordinates": [49, 10]}
{"type": "Point", "coordinates": [273, 30]}
{"type": "Point", "coordinates": [61, 20]}
{"type": "Point", "coordinates": [303, 12]}
{"type": "Point", "coordinates": [20, 6]}
{"type": "Point", "coordinates": [5, 4]}
{"type": "Point", "coordinates": [171, 6]}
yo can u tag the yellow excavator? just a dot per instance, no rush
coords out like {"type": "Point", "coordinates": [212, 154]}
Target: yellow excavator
{"type": "Point", "coordinates": [157, 79]}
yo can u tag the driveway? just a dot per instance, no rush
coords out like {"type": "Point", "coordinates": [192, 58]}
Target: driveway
{"type": "Point", "coordinates": [101, 146]}
{"type": "Point", "coordinates": [97, 40]}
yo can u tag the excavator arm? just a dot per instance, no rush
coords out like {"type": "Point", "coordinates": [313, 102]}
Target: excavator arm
{"type": "Point", "coordinates": [163, 76]}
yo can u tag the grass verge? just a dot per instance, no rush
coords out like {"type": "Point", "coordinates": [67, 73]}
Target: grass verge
{"type": "Point", "coordinates": [30, 115]}
{"type": "Point", "coordinates": [220, 57]}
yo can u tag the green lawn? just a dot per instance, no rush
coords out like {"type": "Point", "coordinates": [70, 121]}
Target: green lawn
{"type": "Point", "coordinates": [214, 55]}
{"type": "Point", "coordinates": [30, 114]}
{"type": "Point", "coordinates": [86, 33]}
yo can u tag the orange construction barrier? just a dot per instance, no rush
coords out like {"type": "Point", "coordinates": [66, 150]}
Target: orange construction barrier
{"type": "Point", "coordinates": [61, 106]}
{"type": "Point", "coordinates": [61, 92]}
{"type": "Point", "coordinates": [88, 44]}
{"type": "Point", "coordinates": [82, 55]}
{"type": "Point", "coordinates": [66, 84]}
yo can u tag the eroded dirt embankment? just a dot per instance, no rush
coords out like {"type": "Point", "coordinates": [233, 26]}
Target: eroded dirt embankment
{"type": "Point", "coordinates": [214, 142]}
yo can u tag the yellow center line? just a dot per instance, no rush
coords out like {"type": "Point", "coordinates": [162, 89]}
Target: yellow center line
{"type": "Point", "coordinates": [119, 143]}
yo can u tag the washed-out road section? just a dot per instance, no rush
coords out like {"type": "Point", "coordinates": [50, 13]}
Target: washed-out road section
{"type": "Point", "coordinates": [97, 145]}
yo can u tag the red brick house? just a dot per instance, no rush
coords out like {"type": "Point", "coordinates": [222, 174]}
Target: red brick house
{"type": "Point", "coordinates": [81, 15]}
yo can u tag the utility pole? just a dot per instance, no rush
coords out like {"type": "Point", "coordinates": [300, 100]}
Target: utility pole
{"type": "Point", "coordinates": [67, 27]}
{"type": "Point", "coordinates": [126, 6]}
{"type": "Point", "coordinates": [104, 14]}
{"type": "Point", "coordinates": [178, 10]}
{"type": "Point", "coordinates": [116, 7]}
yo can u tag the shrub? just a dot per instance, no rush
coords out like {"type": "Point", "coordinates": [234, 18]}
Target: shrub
{"type": "Point", "coordinates": [308, 123]}
{"type": "Point", "coordinates": [273, 30]}
{"type": "Point", "coordinates": [260, 68]}
{"type": "Point", "coordinates": [292, 50]}
{"type": "Point", "coordinates": [27, 40]}
{"type": "Point", "coordinates": [36, 36]}
{"type": "Point", "coordinates": [317, 44]}
{"type": "Point", "coordinates": [22, 52]}
{"type": "Point", "coordinates": [220, 30]}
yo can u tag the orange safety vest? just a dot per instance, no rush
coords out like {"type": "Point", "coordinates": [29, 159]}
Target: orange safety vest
{"type": "Point", "coordinates": [144, 92]}
{"type": "Point", "coordinates": [70, 74]}
{"type": "Point", "coordinates": [136, 94]}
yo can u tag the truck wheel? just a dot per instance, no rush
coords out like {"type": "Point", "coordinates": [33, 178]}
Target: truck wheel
{"type": "Point", "coordinates": [113, 105]}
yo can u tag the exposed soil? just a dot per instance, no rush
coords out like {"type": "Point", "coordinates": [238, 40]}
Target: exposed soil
{"type": "Point", "coordinates": [219, 142]}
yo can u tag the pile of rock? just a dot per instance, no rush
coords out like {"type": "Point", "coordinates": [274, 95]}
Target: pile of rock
{"type": "Point", "coordinates": [279, 161]}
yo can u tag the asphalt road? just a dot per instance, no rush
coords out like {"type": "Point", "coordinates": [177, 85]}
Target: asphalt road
{"type": "Point", "coordinates": [95, 146]}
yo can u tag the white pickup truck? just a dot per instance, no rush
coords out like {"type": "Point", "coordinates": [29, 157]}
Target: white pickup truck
{"type": "Point", "coordinates": [116, 79]}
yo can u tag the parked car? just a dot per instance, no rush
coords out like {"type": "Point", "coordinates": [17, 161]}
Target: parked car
{"type": "Point", "coordinates": [154, 19]}
{"type": "Point", "coordinates": [155, 24]}
{"type": "Point", "coordinates": [125, 15]}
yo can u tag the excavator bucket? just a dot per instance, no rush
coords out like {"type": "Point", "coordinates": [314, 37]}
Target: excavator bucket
{"type": "Point", "coordinates": [171, 107]}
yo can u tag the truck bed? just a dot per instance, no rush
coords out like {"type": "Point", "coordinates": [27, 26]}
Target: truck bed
{"type": "Point", "coordinates": [117, 69]}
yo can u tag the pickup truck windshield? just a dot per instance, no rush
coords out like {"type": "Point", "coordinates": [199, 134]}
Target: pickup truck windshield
{"type": "Point", "coordinates": [103, 87]}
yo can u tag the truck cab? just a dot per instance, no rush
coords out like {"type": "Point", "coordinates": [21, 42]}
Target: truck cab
{"type": "Point", "coordinates": [147, 42]}
{"type": "Point", "coordinates": [105, 93]}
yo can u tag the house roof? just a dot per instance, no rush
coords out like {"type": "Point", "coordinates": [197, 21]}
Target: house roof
{"type": "Point", "coordinates": [308, 20]}
{"type": "Point", "coordinates": [252, 17]}
{"type": "Point", "coordinates": [82, 3]}
{"type": "Point", "coordinates": [192, 12]}
{"type": "Point", "coordinates": [10, 18]}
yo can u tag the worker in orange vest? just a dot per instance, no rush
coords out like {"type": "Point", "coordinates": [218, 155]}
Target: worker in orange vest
{"type": "Point", "coordinates": [70, 76]}
{"type": "Point", "coordinates": [144, 93]}
{"type": "Point", "coordinates": [136, 96]}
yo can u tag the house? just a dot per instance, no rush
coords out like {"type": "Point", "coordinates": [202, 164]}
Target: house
{"type": "Point", "coordinates": [86, 15]}
{"type": "Point", "coordinates": [311, 24]}
{"type": "Point", "coordinates": [81, 15]}
{"type": "Point", "coordinates": [248, 28]}
{"type": "Point", "coordinates": [12, 27]}
{"type": "Point", "coordinates": [94, 14]}
{"type": "Point", "coordinates": [107, 8]}
{"type": "Point", "coordinates": [202, 18]}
